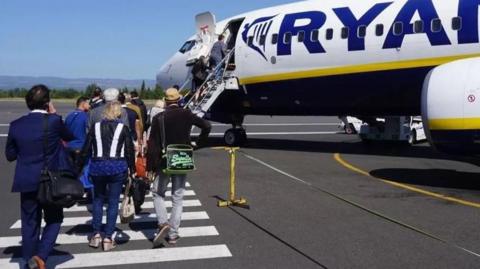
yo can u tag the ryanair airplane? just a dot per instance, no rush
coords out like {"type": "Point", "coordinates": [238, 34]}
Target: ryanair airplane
{"type": "Point", "coordinates": [350, 57]}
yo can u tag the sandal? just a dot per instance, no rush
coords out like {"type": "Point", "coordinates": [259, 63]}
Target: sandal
{"type": "Point", "coordinates": [95, 241]}
{"type": "Point", "coordinates": [108, 244]}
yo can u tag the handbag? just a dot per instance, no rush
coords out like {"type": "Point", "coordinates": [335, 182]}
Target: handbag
{"type": "Point", "coordinates": [141, 164]}
{"type": "Point", "coordinates": [127, 209]}
{"type": "Point", "coordinates": [177, 157]}
{"type": "Point", "coordinates": [57, 188]}
{"type": "Point", "coordinates": [139, 190]}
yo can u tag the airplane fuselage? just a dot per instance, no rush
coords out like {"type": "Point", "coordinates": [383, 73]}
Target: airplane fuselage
{"type": "Point", "coordinates": [348, 57]}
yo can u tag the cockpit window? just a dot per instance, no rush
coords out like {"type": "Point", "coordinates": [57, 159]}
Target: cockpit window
{"type": "Point", "coordinates": [187, 46]}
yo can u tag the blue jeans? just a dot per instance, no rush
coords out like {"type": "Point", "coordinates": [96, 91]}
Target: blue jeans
{"type": "Point", "coordinates": [178, 189]}
{"type": "Point", "coordinates": [106, 188]}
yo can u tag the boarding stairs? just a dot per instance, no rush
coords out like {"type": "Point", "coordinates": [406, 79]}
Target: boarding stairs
{"type": "Point", "coordinates": [211, 89]}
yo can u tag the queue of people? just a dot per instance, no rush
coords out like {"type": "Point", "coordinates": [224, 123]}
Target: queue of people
{"type": "Point", "coordinates": [97, 143]}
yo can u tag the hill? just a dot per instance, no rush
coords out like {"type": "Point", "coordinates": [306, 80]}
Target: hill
{"type": "Point", "coordinates": [12, 82]}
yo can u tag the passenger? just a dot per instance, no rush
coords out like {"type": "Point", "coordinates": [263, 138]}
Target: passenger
{"type": "Point", "coordinates": [24, 146]}
{"type": "Point", "coordinates": [96, 114]}
{"type": "Point", "coordinates": [199, 73]}
{"type": "Point", "coordinates": [218, 52]}
{"type": "Point", "coordinates": [133, 118]}
{"type": "Point", "coordinates": [109, 170]}
{"type": "Point", "coordinates": [178, 124]}
{"type": "Point", "coordinates": [143, 108]}
{"type": "Point", "coordinates": [155, 110]}
{"type": "Point", "coordinates": [97, 98]}
{"type": "Point", "coordinates": [139, 126]}
{"type": "Point", "coordinates": [76, 123]}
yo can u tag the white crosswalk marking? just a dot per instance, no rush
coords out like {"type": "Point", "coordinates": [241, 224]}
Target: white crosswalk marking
{"type": "Point", "coordinates": [169, 194]}
{"type": "Point", "coordinates": [79, 215]}
{"type": "Point", "coordinates": [143, 256]}
{"type": "Point", "coordinates": [80, 238]}
{"type": "Point", "coordinates": [139, 218]}
{"type": "Point", "coordinates": [146, 205]}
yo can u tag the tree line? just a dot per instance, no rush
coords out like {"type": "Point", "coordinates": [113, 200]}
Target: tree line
{"type": "Point", "coordinates": [143, 91]}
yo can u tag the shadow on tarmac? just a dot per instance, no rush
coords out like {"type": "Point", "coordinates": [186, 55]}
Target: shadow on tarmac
{"type": "Point", "coordinates": [441, 178]}
{"type": "Point", "coordinates": [353, 147]}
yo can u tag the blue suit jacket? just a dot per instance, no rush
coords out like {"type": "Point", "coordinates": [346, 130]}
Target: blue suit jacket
{"type": "Point", "coordinates": [25, 145]}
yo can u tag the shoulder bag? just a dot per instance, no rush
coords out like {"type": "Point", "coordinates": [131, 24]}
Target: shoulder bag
{"type": "Point", "coordinates": [57, 188]}
{"type": "Point", "coordinates": [178, 157]}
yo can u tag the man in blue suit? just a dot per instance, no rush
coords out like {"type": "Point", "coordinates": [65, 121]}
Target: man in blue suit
{"type": "Point", "coordinates": [25, 144]}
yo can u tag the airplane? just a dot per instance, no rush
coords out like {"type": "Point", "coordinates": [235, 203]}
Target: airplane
{"type": "Point", "coordinates": [365, 58]}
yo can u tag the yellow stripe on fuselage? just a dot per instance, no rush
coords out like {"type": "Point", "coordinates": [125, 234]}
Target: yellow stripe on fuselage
{"type": "Point", "coordinates": [354, 69]}
{"type": "Point", "coordinates": [454, 124]}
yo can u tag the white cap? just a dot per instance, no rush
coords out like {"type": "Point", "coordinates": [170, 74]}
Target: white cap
{"type": "Point", "coordinates": [111, 94]}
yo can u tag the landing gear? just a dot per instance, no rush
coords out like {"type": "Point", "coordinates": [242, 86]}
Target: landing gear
{"type": "Point", "coordinates": [235, 137]}
{"type": "Point", "coordinates": [412, 138]}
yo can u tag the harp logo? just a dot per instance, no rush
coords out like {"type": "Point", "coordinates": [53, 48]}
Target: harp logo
{"type": "Point", "coordinates": [255, 34]}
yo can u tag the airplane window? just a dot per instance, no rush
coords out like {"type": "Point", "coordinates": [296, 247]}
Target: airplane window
{"type": "Point", "coordinates": [436, 25]}
{"type": "Point", "coordinates": [287, 38]}
{"type": "Point", "coordinates": [418, 27]}
{"type": "Point", "coordinates": [263, 38]}
{"type": "Point", "coordinates": [398, 28]}
{"type": "Point", "coordinates": [379, 30]}
{"type": "Point", "coordinates": [345, 32]}
{"type": "Point", "coordinates": [274, 39]}
{"type": "Point", "coordinates": [457, 23]}
{"type": "Point", "coordinates": [314, 37]}
{"type": "Point", "coordinates": [301, 36]}
{"type": "Point", "coordinates": [362, 31]}
{"type": "Point", "coordinates": [187, 46]}
{"type": "Point", "coordinates": [250, 40]}
{"type": "Point", "coordinates": [329, 34]}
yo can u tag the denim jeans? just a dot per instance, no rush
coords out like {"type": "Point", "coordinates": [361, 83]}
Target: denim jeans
{"type": "Point", "coordinates": [106, 188]}
{"type": "Point", "coordinates": [178, 189]}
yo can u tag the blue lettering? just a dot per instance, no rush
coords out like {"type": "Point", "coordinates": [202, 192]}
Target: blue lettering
{"type": "Point", "coordinates": [427, 12]}
{"type": "Point", "coordinates": [468, 11]}
{"type": "Point", "coordinates": [348, 19]}
{"type": "Point", "coordinates": [317, 20]}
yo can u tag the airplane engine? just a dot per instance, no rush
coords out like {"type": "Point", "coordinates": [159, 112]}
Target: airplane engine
{"type": "Point", "coordinates": [451, 107]}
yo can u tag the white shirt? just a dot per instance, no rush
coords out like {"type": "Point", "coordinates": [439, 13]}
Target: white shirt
{"type": "Point", "coordinates": [39, 111]}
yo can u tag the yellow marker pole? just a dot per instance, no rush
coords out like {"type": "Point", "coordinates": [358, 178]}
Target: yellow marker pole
{"type": "Point", "coordinates": [232, 174]}
{"type": "Point", "coordinates": [233, 201]}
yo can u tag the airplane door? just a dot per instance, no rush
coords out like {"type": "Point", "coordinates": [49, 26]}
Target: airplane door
{"type": "Point", "coordinates": [205, 37]}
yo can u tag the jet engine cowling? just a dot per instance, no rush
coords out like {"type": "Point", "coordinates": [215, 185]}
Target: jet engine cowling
{"type": "Point", "coordinates": [451, 107]}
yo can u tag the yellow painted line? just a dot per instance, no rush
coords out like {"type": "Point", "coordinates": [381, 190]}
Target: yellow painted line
{"type": "Point", "coordinates": [355, 69]}
{"type": "Point", "coordinates": [454, 124]}
{"type": "Point", "coordinates": [339, 159]}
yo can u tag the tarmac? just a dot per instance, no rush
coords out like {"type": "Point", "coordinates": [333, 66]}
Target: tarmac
{"type": "Point", "coordinates": [317, 198]}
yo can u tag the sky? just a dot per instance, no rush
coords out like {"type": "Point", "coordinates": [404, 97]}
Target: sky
{"type": "Point", "coordinates": [101, 38]}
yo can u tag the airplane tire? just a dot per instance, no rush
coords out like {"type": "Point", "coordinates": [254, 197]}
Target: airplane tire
{"type": "Point", "coordinates": [352, 127]}
{"type": "Point", "coordinates": [235, 137]}
{"type": "Point", "coordinates": [412, 138]}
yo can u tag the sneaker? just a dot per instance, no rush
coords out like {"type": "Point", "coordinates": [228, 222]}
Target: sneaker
{"type": "Point", "coordinates": [172, 240]}
{"type": "Point", "coordinates": [162, 232]}
{"type": "Point", "coordinates": [36, 263]}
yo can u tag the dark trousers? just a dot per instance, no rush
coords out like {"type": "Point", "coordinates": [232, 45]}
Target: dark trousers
{"type": "Point", "coordinates": [32, 242]}
{"type": "Point", "coordinates": [106, 188]}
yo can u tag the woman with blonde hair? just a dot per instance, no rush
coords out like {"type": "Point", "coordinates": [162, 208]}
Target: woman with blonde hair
{"type": "Point", "coordinates": [111, 150]}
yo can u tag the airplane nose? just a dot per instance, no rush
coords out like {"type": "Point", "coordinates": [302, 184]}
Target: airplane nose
{"type": "Point", "coordinates": [163, 76]}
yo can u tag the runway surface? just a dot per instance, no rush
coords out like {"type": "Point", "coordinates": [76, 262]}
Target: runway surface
{"type": "Point", "coordinates": [318, 199]}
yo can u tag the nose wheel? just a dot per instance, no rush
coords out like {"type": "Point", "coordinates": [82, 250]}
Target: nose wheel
{"type": "Point", "coordinates": [235, 137]}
